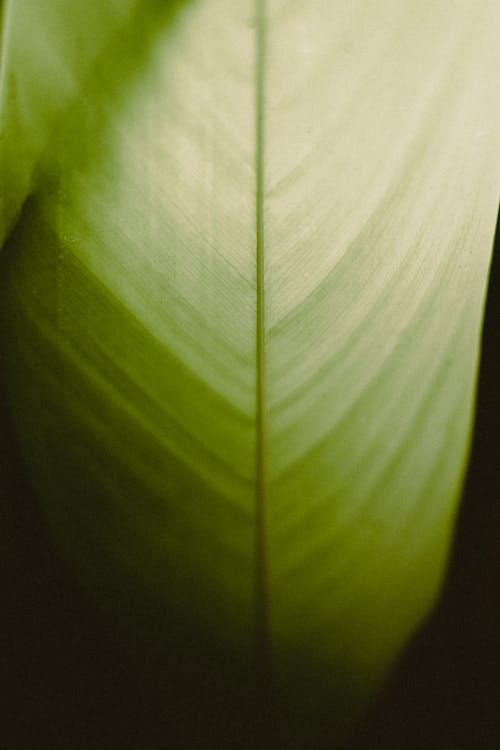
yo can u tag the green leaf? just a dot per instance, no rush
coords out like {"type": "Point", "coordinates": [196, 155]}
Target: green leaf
{"type": "Point", "coordinates": [242, 316]}
{"type": "Point", "coordinates": [48, 51]}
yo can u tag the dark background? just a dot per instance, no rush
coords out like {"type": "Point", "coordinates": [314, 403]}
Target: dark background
{"type": "Point", "coordinates": [72, 683]}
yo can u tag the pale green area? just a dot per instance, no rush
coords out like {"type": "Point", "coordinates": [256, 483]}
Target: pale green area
{"type": "Point", "coordinates": [130, 313]}
{"type": "Point", "coordinates": [48, 50]}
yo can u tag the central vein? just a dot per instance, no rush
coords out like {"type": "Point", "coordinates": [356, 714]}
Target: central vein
{"type": "Point", "coordinates": [262, 600]}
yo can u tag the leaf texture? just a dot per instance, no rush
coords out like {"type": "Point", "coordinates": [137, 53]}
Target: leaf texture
{"type": "Point", "coordinates": [243, 307]}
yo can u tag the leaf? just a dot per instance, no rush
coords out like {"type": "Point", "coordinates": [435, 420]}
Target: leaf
{"type": "Point", "coordinates": [48, 50]}
{"type": "Point", "coordinates": [242, 316]}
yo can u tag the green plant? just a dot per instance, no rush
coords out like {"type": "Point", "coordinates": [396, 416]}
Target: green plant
{"type": "Point", "coordinates": [242, 298]}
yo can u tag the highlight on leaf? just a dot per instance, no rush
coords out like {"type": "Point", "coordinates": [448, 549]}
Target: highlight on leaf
{"type": "Point", "coordinates": [242, 294]}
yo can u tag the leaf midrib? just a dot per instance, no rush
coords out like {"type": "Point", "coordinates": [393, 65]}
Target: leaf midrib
{"type": "Point", "coordinates": [261, 486]}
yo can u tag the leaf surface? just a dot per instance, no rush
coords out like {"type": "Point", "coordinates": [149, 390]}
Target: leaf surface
{"type": "Point", "coordinates": [47, 51]}
{"type": "Point", "coordinates": [243, 311]}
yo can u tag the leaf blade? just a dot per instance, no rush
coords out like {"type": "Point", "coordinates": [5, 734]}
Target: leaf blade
{"type": "Point", "coordinates": [374, 274]}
